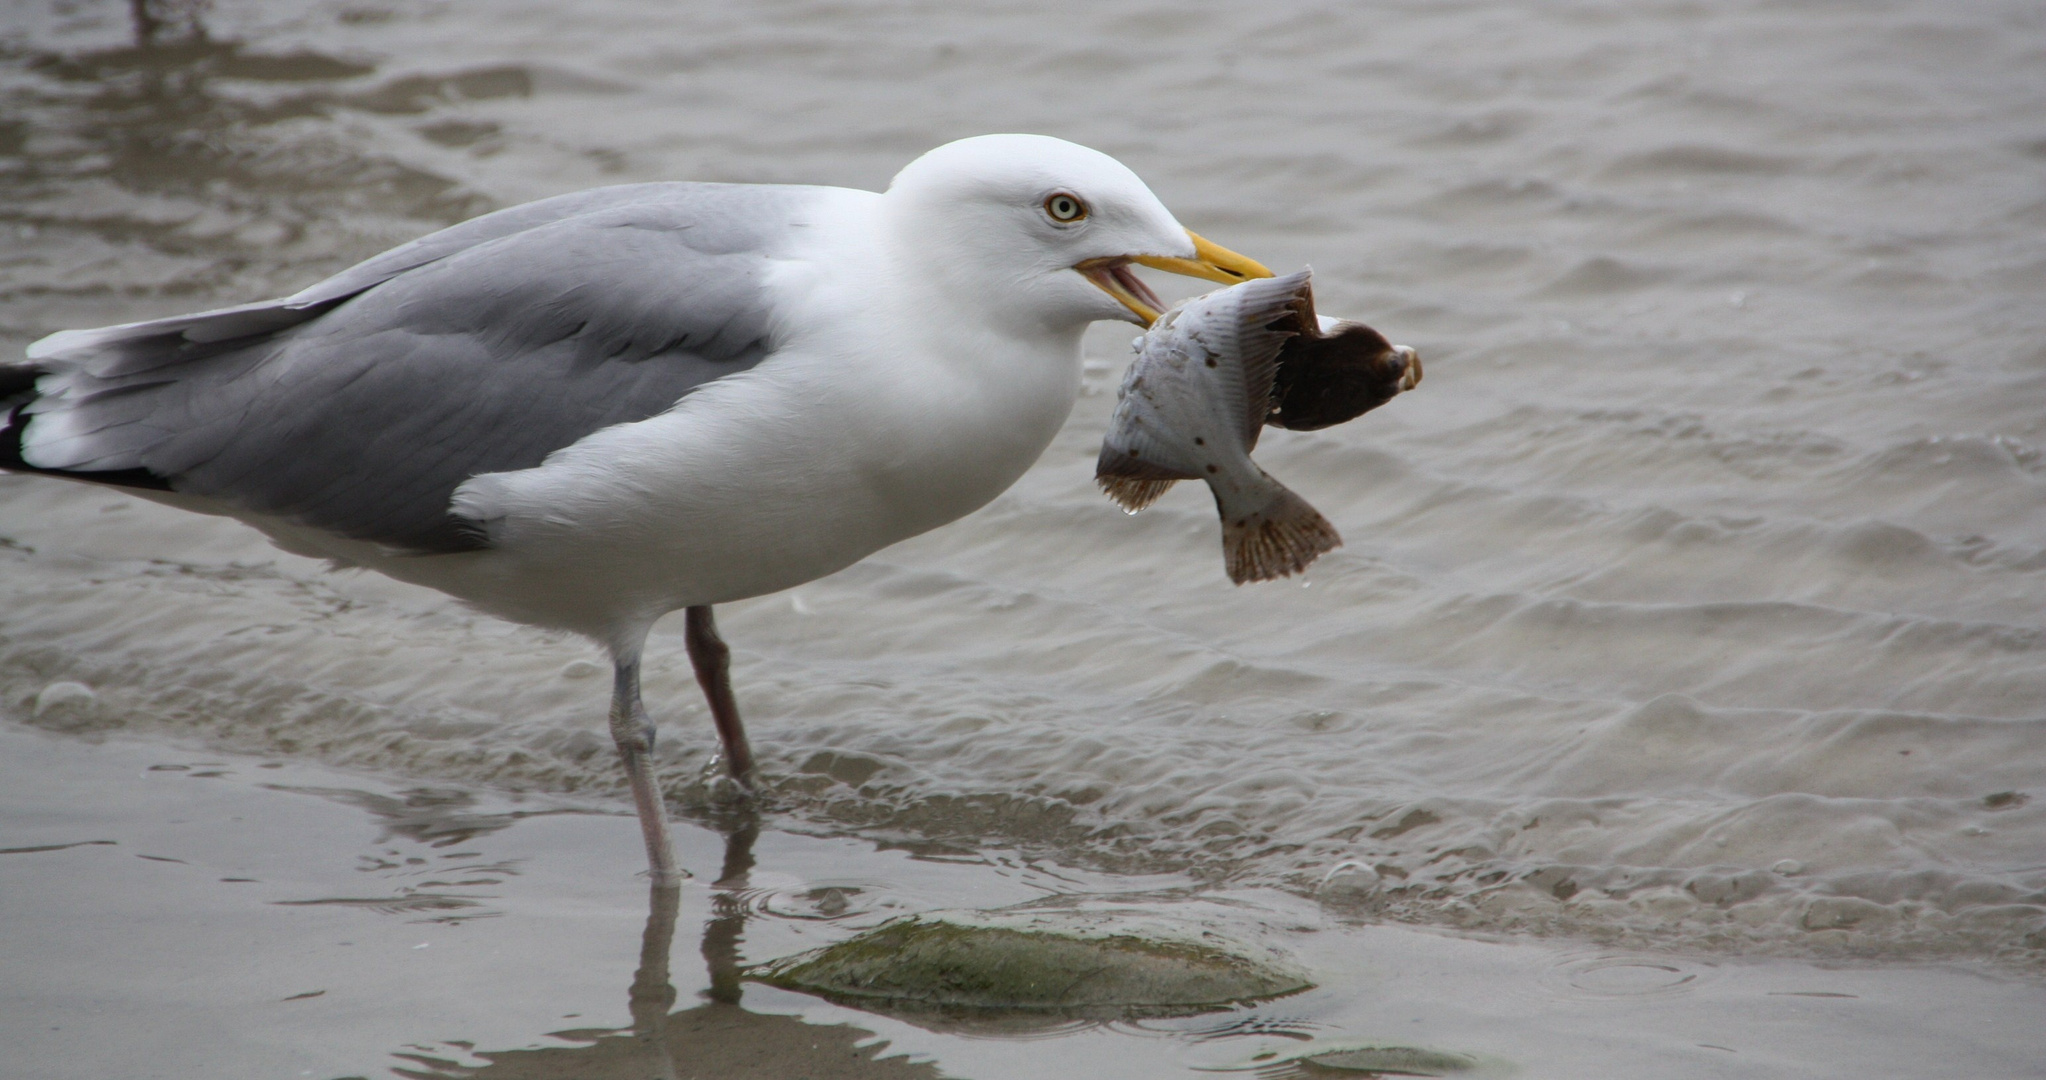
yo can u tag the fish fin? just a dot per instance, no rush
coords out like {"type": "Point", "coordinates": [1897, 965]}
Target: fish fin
{"type": "Point", "coordinates": [1269, 316]}
{"type": "Point", "coordinates": [1132, 494]}
{"type": "Point", "coordinates": [1277, 540]}
{"type": "Point", "coordinates": [1130, 480]}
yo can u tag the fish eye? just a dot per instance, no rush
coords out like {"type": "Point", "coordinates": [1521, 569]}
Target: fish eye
{"type": "Point", "coordinates": [1065, 209]}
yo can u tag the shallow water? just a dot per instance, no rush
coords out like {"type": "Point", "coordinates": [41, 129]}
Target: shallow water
{"type": "Point", "coordinates": [1693, 601]}
{"type": "Point", "coordinates": [215, 915]}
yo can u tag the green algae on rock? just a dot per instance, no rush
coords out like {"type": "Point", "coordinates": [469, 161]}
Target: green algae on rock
{"type": "Point", "coordinates": [1035, 961]}
{"type": "Point", "coordinates": [1386, 1061]}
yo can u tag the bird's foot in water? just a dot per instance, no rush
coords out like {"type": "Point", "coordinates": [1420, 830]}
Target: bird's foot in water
{"type": "Point", "coordinates": [682, 874]}
{"type": "Point", "coordinates": [720, 788]}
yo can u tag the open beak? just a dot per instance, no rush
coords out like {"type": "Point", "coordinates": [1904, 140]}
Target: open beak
{"type": "Point", "coordinates": [1211, 261]}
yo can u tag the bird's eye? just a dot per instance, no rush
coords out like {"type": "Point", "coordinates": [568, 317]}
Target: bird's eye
{"type": "Point", "coordinates": [1065, 209]}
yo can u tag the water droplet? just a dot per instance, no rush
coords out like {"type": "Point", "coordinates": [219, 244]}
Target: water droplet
{"type": "Point", "coordinates": [64, 695]}
{"type": "Point", "coordinates": [1349, 884]}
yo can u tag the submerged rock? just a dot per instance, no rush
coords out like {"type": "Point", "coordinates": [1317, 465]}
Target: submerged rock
{"type": "Point", "coordinates": [1061, 962]}
{"type": "Point", "coordinates": [1375, 1061]}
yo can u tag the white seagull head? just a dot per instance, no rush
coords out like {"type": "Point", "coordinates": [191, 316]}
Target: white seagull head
{"type": "Point", "coordinates": [1042, 231]}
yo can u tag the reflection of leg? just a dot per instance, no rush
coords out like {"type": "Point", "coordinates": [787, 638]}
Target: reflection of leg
{"type": "Point", "coordinates": [727, 926]}
{"type": "Point", "coordinates": [713, 663]}
{"type": "Point", "coordinates": [633, 731]}
{"type": "Point", "coordinates": [151, 17]}
{"type": "Point", "coordinates": [652, 993]}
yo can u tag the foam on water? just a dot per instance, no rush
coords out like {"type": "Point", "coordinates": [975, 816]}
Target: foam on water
{"type": "Point", "coordinates": [1694, 599]}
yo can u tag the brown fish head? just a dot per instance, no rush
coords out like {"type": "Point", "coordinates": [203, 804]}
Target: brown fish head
{"type": "Point", "coordinates": [1326, 378]}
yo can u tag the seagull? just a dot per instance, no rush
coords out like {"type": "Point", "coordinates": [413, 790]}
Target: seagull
{"type": "Point", "coordinates": [587, 412]}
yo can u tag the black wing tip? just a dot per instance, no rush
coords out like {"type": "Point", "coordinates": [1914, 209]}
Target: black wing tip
{"type": "Point", "coordinates": [17, 384]}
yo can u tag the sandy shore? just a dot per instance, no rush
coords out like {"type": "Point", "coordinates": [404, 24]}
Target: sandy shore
{"type": "Point", "coordinates": [176, 913]}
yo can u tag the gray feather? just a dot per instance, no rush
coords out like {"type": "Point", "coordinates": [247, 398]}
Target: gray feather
{"type": "Point", "coordinates": [360, 404]}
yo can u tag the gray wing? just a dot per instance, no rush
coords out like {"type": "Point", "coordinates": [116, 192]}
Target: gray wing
{"type": "Point", "coordinates": [360, 404]}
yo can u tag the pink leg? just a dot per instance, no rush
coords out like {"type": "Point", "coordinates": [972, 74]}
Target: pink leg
{"type": "Point", "coordinates": [633, 731]}
{"type": "Point", "coordinates": [713, 663]}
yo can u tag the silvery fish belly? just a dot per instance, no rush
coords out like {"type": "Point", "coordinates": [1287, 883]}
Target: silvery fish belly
{"type": "Point", "coordinates": [1209, 375]}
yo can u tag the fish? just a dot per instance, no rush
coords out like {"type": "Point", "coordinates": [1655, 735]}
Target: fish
{"type": "Point", "coordinates": [1210, 375]}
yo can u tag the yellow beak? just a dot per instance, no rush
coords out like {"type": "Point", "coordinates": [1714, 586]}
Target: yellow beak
{"type": "Point", "coordinates": [1211, 261]}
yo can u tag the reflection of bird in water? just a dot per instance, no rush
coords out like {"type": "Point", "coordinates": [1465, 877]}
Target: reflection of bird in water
{"type": "Point", "coordinates": [717, 1040]}
{"type": "Point", "coordinates": [587, 412]}
{"type": "Point", "coordinates": [157, 19]}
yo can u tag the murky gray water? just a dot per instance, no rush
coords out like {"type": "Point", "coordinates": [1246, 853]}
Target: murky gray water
{"type": "Point", "coordinates": [220, 916]}
{"type": "Point", "coordinates": [1695, 599]}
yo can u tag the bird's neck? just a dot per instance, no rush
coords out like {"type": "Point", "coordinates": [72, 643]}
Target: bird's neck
{"type": "Point", "coordinates": [963, 396]}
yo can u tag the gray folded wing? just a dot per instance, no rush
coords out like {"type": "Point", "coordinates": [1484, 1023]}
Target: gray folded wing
{"type": "Point", "coordinates": [360, 404]}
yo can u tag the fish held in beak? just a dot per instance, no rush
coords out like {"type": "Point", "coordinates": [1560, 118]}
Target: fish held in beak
{"type": "Point", "coordinates": [1209, 375]}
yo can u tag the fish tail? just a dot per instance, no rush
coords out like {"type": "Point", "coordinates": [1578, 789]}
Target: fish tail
{"type": "Point", "coordinates": [1276, 540]}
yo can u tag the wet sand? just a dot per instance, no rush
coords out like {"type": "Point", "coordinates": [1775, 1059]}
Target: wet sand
{"type": "Point", "coordinates": [180, 913]}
